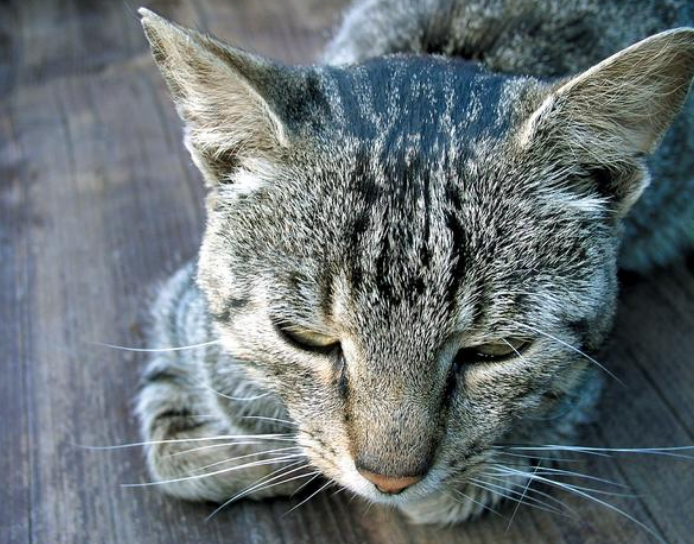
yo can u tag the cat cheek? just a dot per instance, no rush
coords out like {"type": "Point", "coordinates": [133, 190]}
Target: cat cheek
{"type": "Point", "coordinates": [324, 375]}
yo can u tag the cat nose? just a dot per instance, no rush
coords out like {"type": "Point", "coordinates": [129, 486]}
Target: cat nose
{"type": "Point", "coordinates": [387, 484]}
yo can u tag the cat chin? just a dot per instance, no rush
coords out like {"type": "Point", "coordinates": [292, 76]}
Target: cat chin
{"type": "Point", "coordinates": [444, 508]}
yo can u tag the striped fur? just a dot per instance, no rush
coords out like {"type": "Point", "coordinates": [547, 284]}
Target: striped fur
{"type": "Point", "coordinates": [413, 207]}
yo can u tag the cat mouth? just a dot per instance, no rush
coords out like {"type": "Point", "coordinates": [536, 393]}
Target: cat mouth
{"type": "Point", "coordinates": [386, 490]}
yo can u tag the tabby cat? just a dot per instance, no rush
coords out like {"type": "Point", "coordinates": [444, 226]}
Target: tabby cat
{"type": "Point", "coordinates": [412, 247]}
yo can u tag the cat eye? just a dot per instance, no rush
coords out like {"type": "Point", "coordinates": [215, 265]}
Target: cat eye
{"type": "Point", "coordinates": [307, 340]}
{"type": "Point", "coordinates": [506, 348]}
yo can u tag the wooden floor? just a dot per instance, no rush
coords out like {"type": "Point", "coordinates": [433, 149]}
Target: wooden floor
{"type": "Point", "coordinates": [98, 203]}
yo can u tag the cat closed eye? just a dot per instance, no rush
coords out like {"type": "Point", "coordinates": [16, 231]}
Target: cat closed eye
{"type": "Point", "coordinates": [501, 350]}
{"type": "Point", "coordinates": [307, 340]}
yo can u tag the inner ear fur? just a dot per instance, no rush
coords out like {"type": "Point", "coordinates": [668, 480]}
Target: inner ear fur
{"type": "Point", "coordinates": [223, 94]}
{"type": "Point", "coordinates": [613, 114]}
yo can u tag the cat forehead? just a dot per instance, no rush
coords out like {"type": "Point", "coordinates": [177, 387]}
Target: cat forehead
{"type": "Point", "coordinates": [412, 195]}
{"type": "Point", "coordinates": [420, 101]}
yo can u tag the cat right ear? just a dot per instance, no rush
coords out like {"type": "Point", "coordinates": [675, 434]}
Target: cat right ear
{"type": "Point", "coordinates": [616, 112]}
{"type": "Point", "coordinates": [224, 96]}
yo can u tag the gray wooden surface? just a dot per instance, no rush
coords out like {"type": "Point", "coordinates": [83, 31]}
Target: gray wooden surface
{"type": "Point", "coordinates": [98, 203]}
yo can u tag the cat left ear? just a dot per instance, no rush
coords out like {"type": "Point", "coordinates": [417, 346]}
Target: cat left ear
{"type": "Point", "coordinates": [225, 96]}
{"type": "Point", "coordinates": [614, 113]}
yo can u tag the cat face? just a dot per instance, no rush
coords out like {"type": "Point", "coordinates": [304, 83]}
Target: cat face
{"type": "Point", "coordinates": [400, 287]}
{"type": "Point", "coordinates": [418, 257]}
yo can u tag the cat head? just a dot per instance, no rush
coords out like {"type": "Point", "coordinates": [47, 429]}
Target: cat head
{"type": "Point", "coordinates": [416, 255]}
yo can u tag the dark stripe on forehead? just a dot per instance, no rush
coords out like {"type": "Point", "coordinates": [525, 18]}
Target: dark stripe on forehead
{"type": "Point", "coordinates": [410, 95]}
{"type": "Point", "coordinates": [355, 123]}
{"type": "Point", "coordinates": [358, 229]}
{"type": "Point", "coordinates": [458, 254]}
{"type": "Point", "coordinates": [403, 112]}
{"type": "Point", "coordinates": [425, 250]}
{"type": "Point", "coordinates": [325, 286]}
{"type": "Point", "coordinates": [363, 195]}
{"type": "Point", "coordinates": [384, 268]}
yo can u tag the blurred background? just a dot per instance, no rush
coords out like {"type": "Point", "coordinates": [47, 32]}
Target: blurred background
{"type": "Point", "coordinates": [99, 203]}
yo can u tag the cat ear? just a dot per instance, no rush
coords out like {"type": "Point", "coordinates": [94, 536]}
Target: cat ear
{"type": "Point", "coordinates": [616, 112]}
{"type": "Point", "coordinates": [224, 96]}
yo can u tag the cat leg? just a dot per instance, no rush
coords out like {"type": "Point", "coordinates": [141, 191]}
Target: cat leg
{"type": "Point", "coordinates": [196, 455]}
{"type": "Point", "coordinates": [181, 419]}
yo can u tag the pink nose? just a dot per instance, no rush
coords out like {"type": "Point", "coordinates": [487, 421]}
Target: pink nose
{"type": "Point", "coordinates": [386, 484]}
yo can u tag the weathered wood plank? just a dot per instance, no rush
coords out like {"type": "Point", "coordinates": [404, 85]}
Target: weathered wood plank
{"type": "Point", "coordinates": [15, 280]}
{"type": "Point", "coordinates": [652, 351]}
{"type": "Point", "coordinates": [98, 202]}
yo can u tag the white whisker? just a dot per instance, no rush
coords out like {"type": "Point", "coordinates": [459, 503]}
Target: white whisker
{"type": "Point", "coordinates": [262, 485]}
{"type": "Point", "coordinates": [245, 456]}
{"type": "Point", "coordinates": [538, 457]}
{"type": "Point", "coordinates": [604, 452]}
{"type": "Point", "coordinates": [230, 397]}
{"type": "Point", "coordinates": [262, 482]}
{"type": "Point", "coordinates": [223, 445]}
{"type": "Point", "coordinates": [523, 495]}
{"type": "Point", "coordinates": [572, 348]}
{"type": "Point", "coordinates": [543, 476]}
{"type": "Point", "coordinates": [216, 472]}
{"type": "Point", "coordinates": [155, 350]}
{"type": "Point", "coordinates": [278, 437]}
{"type": "Point", "coordinates": [582, 493]}
{"type": "Point", "coordinates": [561, 504]}
{"type": "Point", "coordinates": [244, 399]}
{"type": "Point", "coordinates": [503, 492]}
{"type": "Point", "coordinates": [273, 419]}
{"type": "Point", "coordinates": [573, 474]}
{"type": "Point", "coordinates": [317, 474]}
{"type": "Point", "coordinates": [478, 503]}
{"type": "Point", "coordinates": [322, 488]}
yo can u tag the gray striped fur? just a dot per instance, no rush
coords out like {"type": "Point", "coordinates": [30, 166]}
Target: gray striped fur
{"type": "Point", "coordinates": [455, 173]}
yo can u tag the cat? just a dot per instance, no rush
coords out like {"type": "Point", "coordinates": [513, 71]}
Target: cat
{"type": "Point", "coordinates": [411, 250]}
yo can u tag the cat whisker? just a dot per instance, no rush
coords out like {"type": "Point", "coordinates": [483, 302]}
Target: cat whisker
{"type": "Point", "coordinates": [511, 495]}
{"type": "Point", "coordinates": [338, 491]}
{"type": "Point", "coordinates": [553, 470]}
{"type": "Point", "coordinates": [292, 467]}
{"type": "Point", "coordinates": [231, 397]}
{"type": "Point", "coordinates": [478, 503]}
{"type": "Point", "coordinates": [224, 445]}
{"type": "Point", "coordinates": [244, 399]}
{"type": "Point", "coordinates": [605, 452]}
{"type": "Point", "coordinates": [155, 350]}
{"type": "Point", "coordinates": [581, 492]}
{"type": "Point", "coordinates": [245, 456]}
{"type": "Point", "coordinates": [265, 483]}
{"type": "Point", "coordinates": [508, 492]}
{"type": "Point", "coordinates": [278, 437]}
{"type": "Point", "coordinates": [213, 446]}
{"type": "Point", "coordinates": [319, 490]}
{"type": "Point", "coordinates": [198, 416]}
{"type": "Point", "coordinates": [262, 482]}
{"type": "Point", "coordinates": [561, 505]}
{"type": "Point", "coordinates": [317, 474]}
{"type": "Point", "coordinates": [539, 457]}
{"type": "Point", "coordinates": [574, 474]}
{"type": "Point", "coordinates": [273, 419]}
{"type": "Point", "coordinates": [523, 495]}
{"type": "Point", "coordinates": [541, 476]}
{"type": "Point", "coordinates": [572, 348]}
{"type": "Point", "coordinates": [259, 463]}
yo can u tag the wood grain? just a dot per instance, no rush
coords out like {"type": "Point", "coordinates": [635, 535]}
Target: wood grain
{"type": "Point", "coordinates": [99, 203]}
